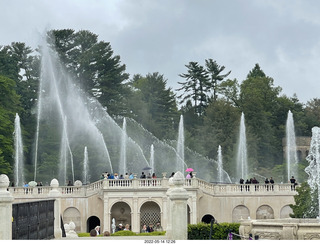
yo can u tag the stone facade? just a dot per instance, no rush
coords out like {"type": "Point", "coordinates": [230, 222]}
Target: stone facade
{"type": "Point", "coordinates": [282, 229]}
{"type": "Point", "coordinates": [139, 202]}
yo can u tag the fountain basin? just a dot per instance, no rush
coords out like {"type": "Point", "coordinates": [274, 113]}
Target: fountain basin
{"type": "Point", "coordinates": [281, 229]}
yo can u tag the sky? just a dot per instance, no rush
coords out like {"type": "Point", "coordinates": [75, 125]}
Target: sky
{"type": "Point", "coordinates": [282, 36]}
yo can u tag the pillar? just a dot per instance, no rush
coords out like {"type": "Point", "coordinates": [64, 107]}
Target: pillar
{"type": "Point", "coordinates": [178, 196]}
{"type": "Point", "coordinates": [56, 194]}
{"type": "Point", "coordinates": [135, 219]}
{"type": "Point", "coordinates": [106, 215]}
{"type": "Point", "coordinates": [6, 200]}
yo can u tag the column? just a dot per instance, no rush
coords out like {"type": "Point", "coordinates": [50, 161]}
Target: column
{"type": "Point", "coordinates": [56, 194]}
{"type": "Point", "coordinates": [6, 200]}
{"type": "Point", "coordinates": [135, 221]}
{"type": "Point", "coordinates": [106, 215]}
{"type": "Point", "coordinates": [178, 196]}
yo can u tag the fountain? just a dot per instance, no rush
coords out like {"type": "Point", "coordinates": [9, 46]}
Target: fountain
{"type": "Point", "coordinates": [85, 177]}
{"type": "Point", "coordinates": [291, 156]}
{"type": "Point", "coordinates": [220, 165]}
{"type": "Point", "coordinates": [68, 120]}
{"type": "Point", "coordinates": [180, 147]}
{"type": "Point", "coordinates": [152, 166]}
{"type": "Point", "coordinates": [18, 153]}
{"type": "Point", "coordinates": [242, 161]}
{"type": "Point", "coordinates": [123, 149]}
{"type": "Point", "coordinates": [313, 170]}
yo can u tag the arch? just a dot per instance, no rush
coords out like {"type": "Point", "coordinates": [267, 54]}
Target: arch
{"type": "Point", "coordinates": [92, 222]}
{"type": "Point", "coordinates": [149, 213]}
{"type": "Point", "coordinates": [285, 212]}
{"type": "Point", "coordinates": [72, 214]}
{"type": "Point", "coordinates": [240, 212]}
{"type": "Point", "coordinates": [264, 212]}
{"type": "Point", "coordinates": [121, 212]}
{"type": "Point", "coordinates": [207, 218]}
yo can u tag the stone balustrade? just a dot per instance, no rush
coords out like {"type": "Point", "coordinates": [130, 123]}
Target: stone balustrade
{"type": "Point", "coordinates": [151, 184]}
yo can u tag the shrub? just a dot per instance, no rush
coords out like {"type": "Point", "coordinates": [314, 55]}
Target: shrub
{"type": "Point", "coordinates": [124, 233]}
{"type": "Point", "coordinates": [155, 233]}
{"type": "Point", "coordinates": [201, 231]}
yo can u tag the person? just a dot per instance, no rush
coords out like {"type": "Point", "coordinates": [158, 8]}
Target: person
{"type": "Point", "coordinates": [121, 177]}
{"type": "Point", "coordinates": [97, 229]}
{"type": "Point", "coordinates": [241, 183]}
{"type": "Point", "coordinates": [93, 232]}
{"type": "Point", "coordinates": [119, 227]}
{"type": "Point", "coordinates": [150, 228]}
{"type": "Point", "coordinates": [188, 176]}
{"type": "Point", "coordinates": [149, 175]}
{"type": "Point", "coordinates": [154, 176]}
{"type": "Point", "coordinates": [126, 176]}
{"type": "Point", "coordinates": [247, 185]}
{"type": "Point", "coordinates": [106, 233]}
{"type": "Point", "coordinates": [143, 176]}
{"type": "Point", "coordinates": [131, 176]}
{"type": "Point", "coordinates": [293, 183]}
{"type": "Point", "coordinates": [267, 183]}
{"type": "Point", "coordinates": [158, 227]}
{"type": "Point", "coordinates": [144, 229]}
{"type": "Point", "coordinates": [271, 182]}
{"type": "Point", "coordinates": [102, 176]}
{"type": "Point", "coordinates": [116, 177]}
{"type": "Point", "coordinates": [127, 227]}
{"type": "Point", "coordinates": [172, 174]}
{"type": "Point", "coordinates": [69, 190]}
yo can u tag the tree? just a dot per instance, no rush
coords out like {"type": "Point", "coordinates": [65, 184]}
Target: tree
{"type": "Point", "coordinates": [9, 106]}
{"type": "Point", "coordinates": [214, 70]}
{"type": "Point", "coordinates": [93, 65]}
{"type": "Point", "coordinates": [306, 203]}
{"type": "Point", "coordinates": [159, 103]}
{"type": "Point", "coordinates": [195, 87]}
{"type": "Point", "coordinates": [257, 99]}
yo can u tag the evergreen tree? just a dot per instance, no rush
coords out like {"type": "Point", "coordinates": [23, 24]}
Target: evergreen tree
{"type": "Point", "coordinates": [196, 87]}
{"type": "Point", "coordinates": [214, 70]}
{"type": "Point", "coordinates": [93, 64]}
{"type": "Point", "coordinates": [159, 103]}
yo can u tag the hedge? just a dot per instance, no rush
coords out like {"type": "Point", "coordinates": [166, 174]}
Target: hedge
{"type": "Point", "coordinates": [127, 233]}
{"type": "Point", "coordinates": [201, 231]}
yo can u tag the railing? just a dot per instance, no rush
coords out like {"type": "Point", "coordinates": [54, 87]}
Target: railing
{"type": "Point", "coordinates": [147, 184]}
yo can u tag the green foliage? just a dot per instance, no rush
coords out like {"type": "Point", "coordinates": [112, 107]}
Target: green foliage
{"type": "Point", "coordinates": [201, 231]}
{"type": "Point", "coordinates": [93, 64]}
{"type": "Point", "coordinates": [131, 233]}
{"type": "Point", "coordinates": [157, 107]}
{"type": "Point", "coordinates": [154, 233]}
{"type": "Point", "coordinates": [127, 233]}
{"type": "Point", "coordinates": [306, 202]}
{"type": "Point", "coordinates": [124, 233]}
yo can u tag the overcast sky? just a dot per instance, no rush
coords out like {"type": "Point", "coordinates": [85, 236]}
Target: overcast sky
{"type": "Point", "coordinates": [283, 36]}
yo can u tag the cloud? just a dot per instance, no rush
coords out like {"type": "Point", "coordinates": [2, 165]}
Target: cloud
{"type": "Point", "coordinates": [163, 36]}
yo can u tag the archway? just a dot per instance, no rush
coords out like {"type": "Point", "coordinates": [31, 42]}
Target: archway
{"type": "Point", "coordinates": [265, 212]}
{"type": "Point", "coordinates": [188, 213]}
{"type": "Point", "coordinates": [149, 213]}
{"type": "Point", "coordinates": [121, 212]}
{"type": "Point", "coordinates": [72, 214]}
{"type": "Point", "coordinates": [207, 218]}
{"type": "Point", "coordinates": [92, 222]}
{"type": "Point", "coordinates": [240, 212]}
{"type": "Point", "coordinates": [285, 212]}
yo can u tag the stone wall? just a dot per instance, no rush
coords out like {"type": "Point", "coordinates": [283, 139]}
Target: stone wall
{"type": "Point", "coordinates": [281, 229]}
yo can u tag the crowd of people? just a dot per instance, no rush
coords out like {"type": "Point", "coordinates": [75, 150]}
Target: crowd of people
{"type": "Point", "coordinates": [268, 183]}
